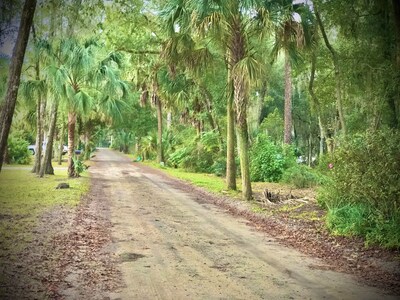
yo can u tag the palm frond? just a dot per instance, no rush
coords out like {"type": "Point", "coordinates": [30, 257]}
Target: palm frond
{"type": "Point", "coordinates": [32, 88]}
{"type": "Point", "coordinates": [82, 101]}
{"type": "Point", "coordinates": [113, 57]}
{"type": "Point", "coordinates": [250, 67]}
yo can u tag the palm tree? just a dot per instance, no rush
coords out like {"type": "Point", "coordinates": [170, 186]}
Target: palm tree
{"type": "Point", "coordinates": [227, 23]}
{"type": "Point", "coordinates": [37, 88]}
{"type": "Point", "coordinates": [81, 78]}
{"type": "Point", "coordinates": [291, 23]}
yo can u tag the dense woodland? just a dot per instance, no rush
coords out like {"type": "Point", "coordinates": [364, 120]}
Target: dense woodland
{"type": "Point", "coordinates": [303, 92]}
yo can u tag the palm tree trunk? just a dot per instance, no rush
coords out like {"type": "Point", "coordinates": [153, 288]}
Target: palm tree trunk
{"type": "Point", "coordinates": [288, 100]}
{"type": "Point", "coordinates": [71, 143]}
{"type": "Point", "coordinates": [17, 59]}
{"type": "Point", "coordinates": [243, 136]}
{"type": "Point", "coordinates": [46, 167]}
{"type": "Point", "coordinates": [230, 139]}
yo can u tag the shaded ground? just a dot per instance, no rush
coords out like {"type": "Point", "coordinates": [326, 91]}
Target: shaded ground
{"type": "Point", "coordinates": [142, 235]}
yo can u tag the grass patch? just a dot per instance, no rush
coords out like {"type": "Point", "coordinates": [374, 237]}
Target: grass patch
{"type": "Point", "coordinates": [307, 215]}
{"type": "Point", "coordinates": [362, 220]}
{"type": "Point", "coordinates": [256, 208]}
{"type": "Point", "coordinates": [24, 197]}
{"type": "Point", "coordinates": [290, 208]}
{"type": "Point", "coordinates": [209, 182]}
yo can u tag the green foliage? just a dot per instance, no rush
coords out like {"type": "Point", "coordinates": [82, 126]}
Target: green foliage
{"type": "Point", "coordinates": [301, 176]}
{"type": "Point", "coordinates": [148, 146]}
{"type": "Point", "coordinates": [385, 231]}
{"type": "Point", "coordinates": [123, 140]}
{"type": "Point", "coordinates": [199, 154]}
{"type": "Point", "coordinates": [366, 173]}
{"type": "Point", "coordinates": [79, 166]}
{"type": "Point", "coordinates": [219, 166]}
{"type": "Point", "coordinates": [268, 161]}
{"type": "Point", "coordinates": [362, 220]}
{"type": "Point", "coordinates": [177, 158]}
{"type": "Point", "coordinates": [366, 169]}
{"type": "Point", "coordinates": [17, 149]}
{"type": "Point", "coordinates": [273, 126]}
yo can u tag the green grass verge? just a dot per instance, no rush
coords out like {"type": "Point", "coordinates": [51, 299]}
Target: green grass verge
{"type": "Point", "coordinates": [24, 197]}
{"type": "Point", "coordinates": [209, 182]}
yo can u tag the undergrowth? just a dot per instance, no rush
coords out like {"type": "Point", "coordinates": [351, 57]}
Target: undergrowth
{"type": "Point", "coordinates": [362, 194]}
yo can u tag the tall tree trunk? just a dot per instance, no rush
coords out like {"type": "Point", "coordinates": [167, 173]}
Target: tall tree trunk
{"type": "Point", "coordinates": [230, 138]}
{"type": "Point", "coordinates": [160, 152]}
{"type": "Point", "coordinates": [243, 136]}
{"type": "Point", "coordinates": [71, 143]}
{"type": "Point", "coordinates": [39, 135]}
{"type": "Point", "coordinates": [336, 66]}
{"type": "Point", "coordinates": [322, 136]}
{"type": "Point", "coordinates": [17, 60]}
{"type": "Point", "coordinates": [61, 146]}
{"type": "Point", "coordinates": [157, 102]}
{"type": "Point", "coordinates": [46, 167]}
{"type": "Point", "coordinates": [317, 105]}
{"type": "Point", "coordinates": [288, 100]}
{"type": "Point", "coordinates": [40, 115]}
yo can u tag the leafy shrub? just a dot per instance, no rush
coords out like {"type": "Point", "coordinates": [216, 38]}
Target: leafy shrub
{"type": "Point", "coordinates": [301, 176]}
{"type": "Point", "coordinates": [366, 169]}
{"type": "Point", "coordinates": [366, 173]}
{"type": "Point", "coordinates": [268, 161]}
{"type": "Point", "coordinates": [385, 231]}
{"type": "Point", "coordinates": [79, 166]}
{"type": "Point", "coordinates": [176, 159]}
{"type": "Point", "coordinates": [219, 166]}
{"type": "Point", "coordinates": [273, 126]}
{"type": "Point", "coordinates": [198, 155]}
{"type": "Point", "coordinates": [322, 166]}
{"type": "Point", "coordinates": [17, 149]}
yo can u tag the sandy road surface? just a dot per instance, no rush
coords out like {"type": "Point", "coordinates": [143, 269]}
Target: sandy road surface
{"type": "Point", "coordinates": [170, 246]}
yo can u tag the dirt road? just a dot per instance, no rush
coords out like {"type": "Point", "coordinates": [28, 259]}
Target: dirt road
{"type": "Point", "coordinates": [168, 244]}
